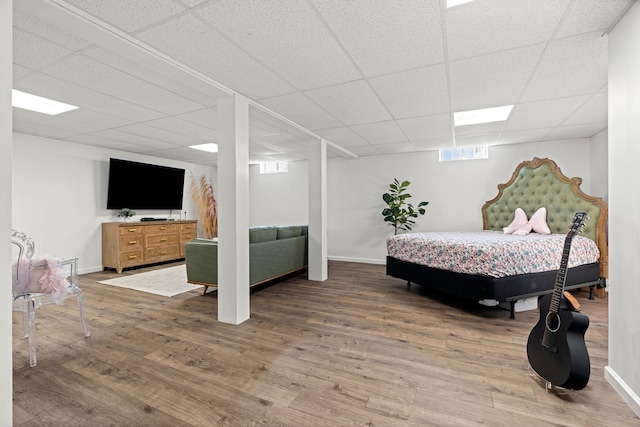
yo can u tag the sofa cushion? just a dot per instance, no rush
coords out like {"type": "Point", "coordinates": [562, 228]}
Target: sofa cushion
{"type": "Point", "coordinates": [289, 231]}
{"type": "Point", "coordinates": [305, 230]}
{"type": "Point", "coordinates": [262, 234]}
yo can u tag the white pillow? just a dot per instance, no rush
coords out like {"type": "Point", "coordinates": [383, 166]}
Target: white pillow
{"type": "Point", "coordinates": [520, 225]}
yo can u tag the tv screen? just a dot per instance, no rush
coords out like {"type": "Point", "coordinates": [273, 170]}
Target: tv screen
{"type": "Point", "coordinates": [136, 185]}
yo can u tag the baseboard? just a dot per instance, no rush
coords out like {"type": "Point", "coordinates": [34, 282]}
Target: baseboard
{"type": "Point", "coordinates": [89, 270]}
{"type": "Point", "coordinates": [359, 260]}
{"type": "Point", "coordinates": [623, 390]}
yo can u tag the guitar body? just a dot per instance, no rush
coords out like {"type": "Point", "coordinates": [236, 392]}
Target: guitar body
{"type": "Point", "coordinates": [564, 361]}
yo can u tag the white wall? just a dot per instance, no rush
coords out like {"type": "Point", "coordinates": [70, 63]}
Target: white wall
{"type": "Point", "coordinates": [60, 190]}
{"type": "Point", "coordinates": [6, 67]}
{"type": "Point", "coordinates": [599, 147]}
{"type": "Point", "coordinates": [455, 191]}
{"type": "Point", "coordinates": [623, 371]}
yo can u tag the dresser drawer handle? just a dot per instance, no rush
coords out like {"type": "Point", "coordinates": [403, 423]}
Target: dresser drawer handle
{"type": "Point", "coordinates": [163, 253]}
{"type": "Point", "coordinates": [133, 256]}
{"type": "Point", "coordinates": [164, 239]}
{"type": "Point", "coordinates": [163, 228]}
{"type": "Point", "coordinates": [132, 230]}
{"type": "Point", "coordinates": [133, 242]}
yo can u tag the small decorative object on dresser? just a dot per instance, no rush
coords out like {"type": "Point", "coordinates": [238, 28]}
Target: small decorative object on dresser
{"type": "Point", "coordinates": [126, 214]}
{"type": "Point", "coordinates": [141, 243]}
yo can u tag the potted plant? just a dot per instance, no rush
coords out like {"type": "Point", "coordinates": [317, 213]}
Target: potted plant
{"type": "Point", "coordinates": [126, 213]}
{"type": "Point", "coordinates": [398, 212]}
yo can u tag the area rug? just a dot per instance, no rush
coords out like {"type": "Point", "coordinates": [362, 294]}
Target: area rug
{"type": "Point", "coordinates": [166, 282]}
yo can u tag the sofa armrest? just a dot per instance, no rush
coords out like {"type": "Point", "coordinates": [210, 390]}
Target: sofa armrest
{"type": "Point", "coordinates": [201, 257]}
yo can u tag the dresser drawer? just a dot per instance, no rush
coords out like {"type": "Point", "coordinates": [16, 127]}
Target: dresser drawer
{"type": "Point", "coordinates": [161, 253]}
{"type": "Point", "coordinates": [130, 258]}
{"type": "Point", "coordinates": [130, 231]}
{"type": "Point", "coordinates": [187, 236]}
{"type": "Point", "coordinates": [128, 243]}
{"type": "Point", "coordinates": [161, 228]}
{"type": "Point", "coordinates": [188, 227]}
{"type": "Point", "coordinates": [151, 240]}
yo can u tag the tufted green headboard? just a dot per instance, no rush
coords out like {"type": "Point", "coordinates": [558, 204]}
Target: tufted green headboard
{"type": "Point", "coordinates": [539, 183]}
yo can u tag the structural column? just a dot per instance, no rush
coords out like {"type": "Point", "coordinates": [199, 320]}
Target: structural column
{"type": "Point", "coordinates": [318, 210]}
{"type": "Point", "coordinates": [233, 210]}
{"type": "Point", "coordinates": [6, 142]}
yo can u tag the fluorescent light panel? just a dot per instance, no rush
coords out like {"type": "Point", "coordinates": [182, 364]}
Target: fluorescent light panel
{"type": "Point", "coordinates": [39, 104]}
{"type": "Point", "coordinates": [454, 3]}
{"type": "Point", "coordinates": [485, 115]}
{"type": "Point", "coordinates": [211, 147]}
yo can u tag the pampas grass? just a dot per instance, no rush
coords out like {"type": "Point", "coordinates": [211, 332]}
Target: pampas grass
{"type": "Point", "coordinates": [206, 207]}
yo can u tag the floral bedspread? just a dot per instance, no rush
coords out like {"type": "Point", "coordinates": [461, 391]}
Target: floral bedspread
{"type": "Point", "coordinates": [490, 253]}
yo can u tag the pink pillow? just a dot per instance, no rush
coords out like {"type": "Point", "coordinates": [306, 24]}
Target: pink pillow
{"type": "Point", "coordinates": [40, 275]}
{"type": "Point", "coordinates": [519, 221]}
{"type": "Point", "coordinates": [538, 221]}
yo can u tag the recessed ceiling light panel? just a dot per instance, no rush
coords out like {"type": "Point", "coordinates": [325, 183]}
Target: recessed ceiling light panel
{"type": "Point", "coordinates": [454, 3]}
{"type": "Point", "coordinates": [484, 115]}
{"type": "Point", "coordinates": [39, 104]}
{"type": "Point", "coordinates": [211, 147]}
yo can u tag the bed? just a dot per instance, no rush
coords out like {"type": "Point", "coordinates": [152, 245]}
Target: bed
{"type": "Point", "coordinates": [534, 184]}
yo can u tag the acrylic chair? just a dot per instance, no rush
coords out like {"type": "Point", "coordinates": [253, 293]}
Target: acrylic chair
{"type": "Point", "coordinates": [38, 281]}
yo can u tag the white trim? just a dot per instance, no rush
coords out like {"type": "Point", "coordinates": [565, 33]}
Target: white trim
{"type": "Point", "coordinates": [358, 260]}
{"type": "Point", "coordinates": [622, 389]}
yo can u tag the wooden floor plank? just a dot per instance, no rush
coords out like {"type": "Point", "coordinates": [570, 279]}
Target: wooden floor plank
{"type": "Point", "coordinates": [360, 349]}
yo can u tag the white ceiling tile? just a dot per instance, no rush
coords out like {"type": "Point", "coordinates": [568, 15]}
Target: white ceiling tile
{"type": "Point", "coordinates": [158, 134]}
{"type": "Point", "coordinates": [485, 139]}
{"type": "Point", "coordinates": [140, 72]}
{"type": "Point", "coordinates": [353, 102]}
{"type": "Point", "coordinates": [186, 154]}
{"type": "Point", "coordinates": [260, 150]}
{"type": "Point", "coordinates": [490, 26]}
{"type": "Point", "coordinates": [183, 127]}
{"type": "Point", "coordinates": [396, 147]}
{"type": "Point", "coordinates": [135, 138]}
{"type": "Point", "coordinates": [84, 71]}
{"type": "Point", "coordinates": [34, 52]}
{"type": "Point", "coordinates": [414, 93]}
{"type": "Point", "coordinates": [207, 118]}
{"type": "Point", "coordinates": [433, 144]}
{"type": "Point", "coordinates": [427, 127]}
{"type": "Point", "coordinates": [380, 132]}
{"type": "Point", "coordinates": [493, 127]}
{"type": "Point", "coordinates": [193, 3]}
{"type": "Point", "coordinates": [342, 136]}
{"type": "Point", "coordinates": [301, 110]}
{"type": "Point", "coordinates": [591, 15]}
{"type": "Point", "coordinates": [595, 110]}
{"type": "Point", "coordinates": [47, 31]}
{"type": "Point", "coordinates": [520, 136]}
{"type": "Point", "coordinates": [98, 119]}
{"type": "Point", "coordinates": [571, 66]}
{"type": "Point", "coordinates": [288, 37]}
{"type": "Point", "coordinates": [20, 72]}
{"type": "Point", "coordinates": [365, 150]}
{"type": "Point", "coordinates": [127, 15]}
{"type": "Point", "coordinates": [493, 79]}
{"type": "Point", "coordinates": [101, 141]}
{"type": "Point", "coordinates": [575, 131]}
{"type": "Point", "coordinates": [40, 129]}
{"type": "Point", "coordinates": [193, 43]}
{"type": "Point", "coordinates": [541, 114]}
{"type": "Point", "coordinates": [59, 90]}
{"type": "Point", "coordinates": [61, 121]}
{"type": "Point", "coordinates": [386, 38]}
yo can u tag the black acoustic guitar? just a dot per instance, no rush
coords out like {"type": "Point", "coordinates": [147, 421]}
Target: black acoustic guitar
{"type": "Point", "coordinates": [556, 347]}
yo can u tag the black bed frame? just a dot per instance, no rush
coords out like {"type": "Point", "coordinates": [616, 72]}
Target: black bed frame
{"type": "Point", "coordinates": [503, 289]}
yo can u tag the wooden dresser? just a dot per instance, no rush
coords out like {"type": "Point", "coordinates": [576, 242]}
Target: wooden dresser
{"type": "Point", "coordinates": [131, 244]}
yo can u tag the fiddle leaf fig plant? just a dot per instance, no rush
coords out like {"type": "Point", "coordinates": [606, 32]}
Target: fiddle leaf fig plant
{"type": "Point", "coordinates": [399, 213]}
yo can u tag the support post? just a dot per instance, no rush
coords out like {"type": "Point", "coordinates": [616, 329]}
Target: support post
{"type": "Point", "coordinates": [318, 268]}
{"type": "Point", "coordinates": [233, 211]}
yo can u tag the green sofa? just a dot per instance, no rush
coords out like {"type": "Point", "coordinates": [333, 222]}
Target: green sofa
{"type": "Point", "coordinates": [274, 251]}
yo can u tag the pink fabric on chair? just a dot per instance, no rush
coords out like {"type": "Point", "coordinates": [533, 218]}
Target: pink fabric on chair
{"type": "Point", "coordinates": [40, 275]}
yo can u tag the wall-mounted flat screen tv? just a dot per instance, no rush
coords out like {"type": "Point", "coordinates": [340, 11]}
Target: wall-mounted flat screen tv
{"type": "Point", "coordinates": [137, 185]}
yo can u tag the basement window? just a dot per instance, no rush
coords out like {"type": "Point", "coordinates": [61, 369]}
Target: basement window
{"type": "Point", "coordinates": [464, 153]}
{"type": "Point", "coordinates": [274, 167]}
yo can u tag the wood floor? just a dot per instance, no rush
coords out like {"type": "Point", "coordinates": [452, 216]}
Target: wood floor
{"type": "Point", "coordinates": [359, 349]}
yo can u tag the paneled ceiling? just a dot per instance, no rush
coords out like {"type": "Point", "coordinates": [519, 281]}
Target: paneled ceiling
{"type": "Point", "coordinates": [371, 76]}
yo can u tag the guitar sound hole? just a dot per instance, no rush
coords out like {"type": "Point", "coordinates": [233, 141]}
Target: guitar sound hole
{"type": "Point", "coordinates": [552, 321]}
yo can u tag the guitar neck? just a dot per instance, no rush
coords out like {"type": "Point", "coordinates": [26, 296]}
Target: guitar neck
{"type": "Point", "coordinates": [558, 287]}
